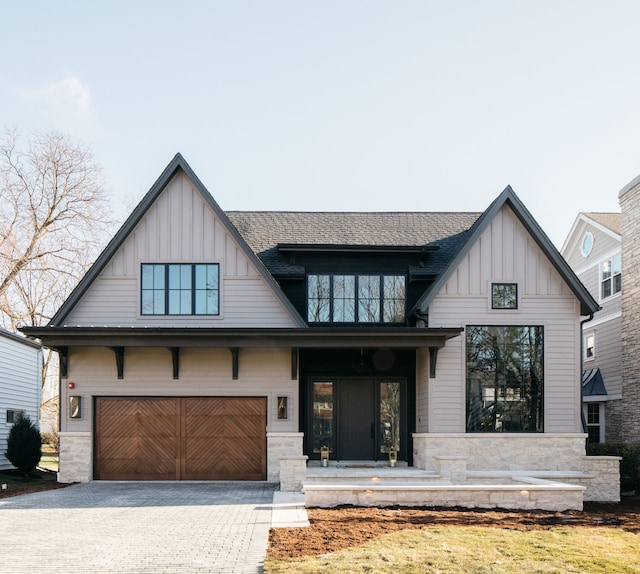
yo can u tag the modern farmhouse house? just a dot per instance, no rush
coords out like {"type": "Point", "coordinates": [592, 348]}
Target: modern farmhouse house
{"type": "Point", "coordinates": [205, 344]}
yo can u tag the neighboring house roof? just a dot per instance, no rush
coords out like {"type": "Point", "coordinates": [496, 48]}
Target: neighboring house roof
{"type": "Point", "coordinates": [592, 383]}
{"type": "Point", "coordinates": [176, 164]}
{"type": "Point", "coordinates": [611, 221]}
{"type": "Point", "coordinates": [19, 338]}
{"type": "Point", "coordinates": [588, 305]}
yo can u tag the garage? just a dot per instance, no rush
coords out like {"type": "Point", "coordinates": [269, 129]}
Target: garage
{"type": "Point", "coordinates": [180, 438]}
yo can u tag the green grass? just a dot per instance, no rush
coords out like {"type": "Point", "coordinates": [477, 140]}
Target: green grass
{"type": "Point", "coordinates": [477, 550]}
{"type": "Point", "coordinates": [49, 461]}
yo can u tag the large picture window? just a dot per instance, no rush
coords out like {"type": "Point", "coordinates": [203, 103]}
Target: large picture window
{"type": "Point", "coordinates": [180, 289]}
{"type": "Point", "coordinates": [505, 381]}
{"type": "Point", "coordinates": [356, 298]}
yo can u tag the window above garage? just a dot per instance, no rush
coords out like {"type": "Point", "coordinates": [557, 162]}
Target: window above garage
{"type": "Point", "coordinates": [180, 289]}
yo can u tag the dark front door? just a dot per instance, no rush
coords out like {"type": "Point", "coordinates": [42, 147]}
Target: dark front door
{"type": "Point", "coordinates": [357, 419]}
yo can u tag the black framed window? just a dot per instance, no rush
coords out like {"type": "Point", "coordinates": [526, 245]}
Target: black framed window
{"type": "Point", "coordinates": [504, 295]}
{"type": "Point", "coordinates": [180, 289]}
{"type": "Point", "coordinates": [356, 298]}
{"type": "Point", "coordinates": [505, 378]}
{"type": "Point", "coordinates": [593, 422]}
{"type": "Point", "coordinates": [13, 416]}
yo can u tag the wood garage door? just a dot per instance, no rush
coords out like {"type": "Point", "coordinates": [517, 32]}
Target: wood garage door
{"type": "Point", "coordinates": [181, 438]}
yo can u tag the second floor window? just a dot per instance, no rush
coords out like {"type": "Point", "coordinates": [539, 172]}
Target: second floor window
{"type": "Point", "coordinates": [356, 298]}
{"type": "Point", "coordinates": [180, 289]}
{"type": "Point", "coordinates": [611, 277]}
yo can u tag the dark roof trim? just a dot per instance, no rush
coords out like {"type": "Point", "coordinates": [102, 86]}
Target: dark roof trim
{"type": "Point", "coordinates": [19, 339]}
{"type": "Point", "coordinates": [176, 164]}
{"type": "Point", "coordinates": [345, 248]}
{"type": "Point", "coordinates": [393, 338]}
{"type": "Point", "coordinates": [508, 197]}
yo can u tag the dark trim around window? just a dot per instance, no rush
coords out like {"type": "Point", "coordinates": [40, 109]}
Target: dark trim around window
{"type": "Point", "coordinates": [504, 295]}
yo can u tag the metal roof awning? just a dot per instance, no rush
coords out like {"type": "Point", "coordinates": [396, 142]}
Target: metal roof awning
{"type": "Point", "coordinates": [593, 383]}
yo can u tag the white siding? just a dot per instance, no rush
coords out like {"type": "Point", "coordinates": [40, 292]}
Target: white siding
{"type": "Point", "coordinates": [505, 252]}
{"type": "Point", "coordinates": [20, 382]}
{"type": "Point", "coordinates": [180, 227]}
{"type": "Point", "coordinates": [203, 372]}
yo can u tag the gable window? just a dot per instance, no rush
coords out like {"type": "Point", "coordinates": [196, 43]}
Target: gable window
{"type": "Point", "coordinates": [589, 346]}
{"type": "Point", "coordinates": [356, 298]}
{"type": "Point", "coordinates": [504, 295]}
{"type": "Point", "coordinates": [611, 277]}
{"type": "Point", "coordinates": [180, 289]}
{"type": "Point", "coordinates": [504, 378]}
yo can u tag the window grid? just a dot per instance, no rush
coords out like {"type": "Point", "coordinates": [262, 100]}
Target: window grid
{"type": "Point", "coordinates": [611, 277]}
{"type": "Point", "coordinates": [356, 298]}
{"type": "Point", "coordinates": [180, 289]}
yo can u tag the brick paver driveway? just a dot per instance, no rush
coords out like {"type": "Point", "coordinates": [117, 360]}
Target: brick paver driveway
{"type": "Point", "coordinates": [137, 527]}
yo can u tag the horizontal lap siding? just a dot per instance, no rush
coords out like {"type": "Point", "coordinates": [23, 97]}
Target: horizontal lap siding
{"type": "Point", "coordinates": [20, 383]}
{"type": "Point", "coordinates": [506, 253]}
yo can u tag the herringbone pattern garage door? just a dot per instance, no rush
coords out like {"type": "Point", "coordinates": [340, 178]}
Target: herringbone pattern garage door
{"type": "Point", "coordinates": [180, 438]}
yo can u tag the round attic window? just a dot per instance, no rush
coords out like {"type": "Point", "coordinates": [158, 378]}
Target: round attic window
{"type": "Point", "coordinates": [587, 244]}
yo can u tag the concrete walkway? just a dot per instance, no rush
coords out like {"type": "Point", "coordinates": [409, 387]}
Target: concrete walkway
{"type": "Point", "coordinates": [143, 527]}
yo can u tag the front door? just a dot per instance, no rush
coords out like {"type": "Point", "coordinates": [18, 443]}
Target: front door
{"type": "Point", "coordinates": [358, 418]}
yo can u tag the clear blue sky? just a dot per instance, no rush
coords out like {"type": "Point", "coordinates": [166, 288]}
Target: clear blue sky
{"type": "Point", "coordinates": [340, 105]}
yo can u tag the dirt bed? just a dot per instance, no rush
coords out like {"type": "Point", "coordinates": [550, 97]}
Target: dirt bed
{"type": "Point", "coordinates": [335, 529]}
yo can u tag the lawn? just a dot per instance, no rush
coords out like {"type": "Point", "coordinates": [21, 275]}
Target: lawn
{"type": "Point", "coordinates": [479, 550]}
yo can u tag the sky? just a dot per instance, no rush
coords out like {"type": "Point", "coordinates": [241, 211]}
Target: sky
{"type": "Point", "coordinates": [361, 105]}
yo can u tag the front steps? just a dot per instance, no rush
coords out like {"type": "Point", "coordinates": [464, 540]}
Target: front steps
{"type": "Point", "coordinates": [375, 484]}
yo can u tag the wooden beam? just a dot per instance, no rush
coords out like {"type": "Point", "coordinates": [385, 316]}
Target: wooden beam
{"type": "Point", "coordinates": [175, 357]}
{"type": "Point", "coordinates": [234, 359]}
{"type": "Point", "coordinates": [119, 352]}
{"type": "Point", "coordinates": [294, 364]}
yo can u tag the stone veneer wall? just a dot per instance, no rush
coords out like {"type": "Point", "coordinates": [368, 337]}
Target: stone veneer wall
{"type": "Point", "coordinates": [613, 416]}
{"type": "Point", "coordinates": [76, 460]}
{"type": "Point", "coordinates": [630, 233]}
{"type": "Point", "coordinates": [502, 451]}
{"type": "Point", "coordinates": [281, 445]}
{"type": "Point", "coordinates": [605, 484]}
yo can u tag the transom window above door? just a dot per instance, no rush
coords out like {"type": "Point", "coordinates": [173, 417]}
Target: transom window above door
{"type": "Point", "coordinates": [180, 289]}
{"type": "Point", "coordinates": [356, 298]}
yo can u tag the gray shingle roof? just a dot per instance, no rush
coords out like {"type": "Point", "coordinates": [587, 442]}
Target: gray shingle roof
{"type": "Point", "coordinates": [264, 230]}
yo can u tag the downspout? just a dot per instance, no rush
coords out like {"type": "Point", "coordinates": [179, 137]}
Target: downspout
{"type": "Point", "coordinates": [584, 421]}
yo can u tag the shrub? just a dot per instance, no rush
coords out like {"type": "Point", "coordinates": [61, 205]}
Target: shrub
{"type": "Point", "coordinates": [24, 445]}
{"type": "Point", "coordinates": [629, 465]}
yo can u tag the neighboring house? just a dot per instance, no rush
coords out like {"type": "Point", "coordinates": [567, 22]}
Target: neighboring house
{"type": "Point", "coordinates": [212, 345]}
{"type": "Point", "coordinates": [593, 250]}
{"type": "Point", "coordinates": [20, 383]}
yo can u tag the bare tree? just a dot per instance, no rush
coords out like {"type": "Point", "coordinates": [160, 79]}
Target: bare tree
{"type": "Point", "coordinates": [54, 217]}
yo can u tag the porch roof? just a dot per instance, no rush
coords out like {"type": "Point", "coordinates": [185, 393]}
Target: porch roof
{"type": "Point", "coordinates": [395, 338]}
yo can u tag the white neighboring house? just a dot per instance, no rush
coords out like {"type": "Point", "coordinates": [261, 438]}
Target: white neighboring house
{"type": "Point", "coordinates": [20, 382]}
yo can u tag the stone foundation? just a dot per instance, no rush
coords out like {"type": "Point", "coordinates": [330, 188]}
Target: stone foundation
{"type": "Point", "coordinates": [281, 445]}
{"type": "Point", "coordinates": [293, 471]}
{"type": "Point", "coordinates": [76, 457]}
{"type": "Point", "coordinates": [502, 451]}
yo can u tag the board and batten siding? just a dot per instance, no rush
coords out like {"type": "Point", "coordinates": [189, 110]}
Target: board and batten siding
{"type": "Point", "coordinates": [148, 372]}
{"type": "Point", "coordinates": [505, 252]}
{"type": "Point", "coordinates": [20, 384]}
{"type": "Point", "coordinates": [180, 227]}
